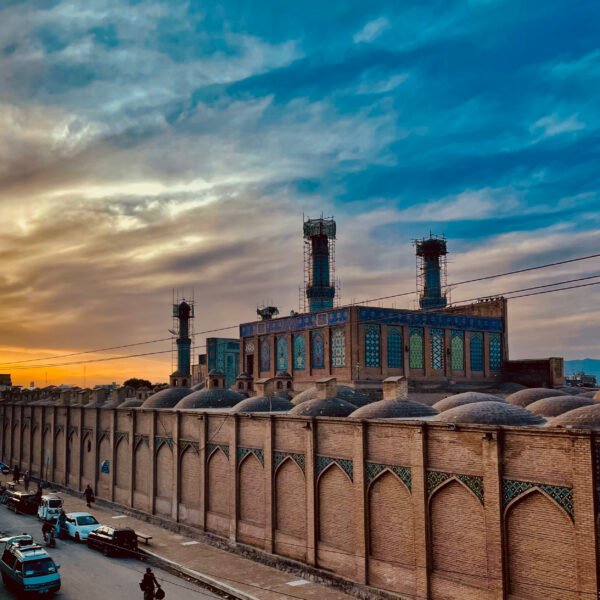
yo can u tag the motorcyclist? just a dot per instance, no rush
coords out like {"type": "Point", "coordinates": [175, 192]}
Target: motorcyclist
{"type": "Point", "coordinates": [61, 523]}
{"type": "Point", "coordinates": [48, 529]}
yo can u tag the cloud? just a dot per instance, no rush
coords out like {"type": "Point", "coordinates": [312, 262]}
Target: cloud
{"type": "Point", "coordinates": [372, 30]}
{"type": "Point", "coordinates": [552, 125]}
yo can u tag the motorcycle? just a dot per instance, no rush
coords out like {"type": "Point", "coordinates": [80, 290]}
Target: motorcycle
{"type": "Point", "coordinates": [49, 536]}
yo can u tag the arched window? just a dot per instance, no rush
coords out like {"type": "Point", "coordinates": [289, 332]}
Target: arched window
{"type": "Point", "coordinates": [317, 351]}
{"type": "Point", "coordinates": [457, 351]}
{"type": "Point", "coordinates": [437, 349]}
{"type": "Point", "coordinates": [495, 352]}
{"type": "Point", "coordinates": [416, 348]}
{"type": "Point", "coordinates": [282, 354]}
{"type": "Point", "coordinates": [476, 348]}
{"type": "Point", "coordinates": [372, 346]}
{"type": "Point", "coordinates": [338, 348]}
{"type": "Point", "coordinates": [299, 353]}
{"type": "Point", "coordinates": [265, 355]}
{"type": "Point", "coordinates": [394, 348]}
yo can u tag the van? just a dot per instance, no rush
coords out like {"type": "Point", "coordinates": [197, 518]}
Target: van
{"type": "Point", "coordinates": [22, 502]}
{"type": "Point", "coordinates": [27, 567]}
{"type": "Point", "coordinates": [50, 507]}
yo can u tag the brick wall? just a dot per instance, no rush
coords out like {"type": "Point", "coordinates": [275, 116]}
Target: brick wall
{"type": "Point", "coordinates": [412, 508]}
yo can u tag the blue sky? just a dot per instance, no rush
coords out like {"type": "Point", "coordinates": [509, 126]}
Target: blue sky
{"type": "Point", "coordinates": [147, 145]}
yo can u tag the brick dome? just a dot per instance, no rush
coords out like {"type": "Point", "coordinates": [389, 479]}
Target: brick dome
{"type": "Point", "coordinates": [465, 398]}
{"type": "Point", "coordinates": [393, 409]}
{"type": "Point", "coordinates": [585, 417]}
{"type": "Point", "coordinates": [263, 404]}
{"type": "Point", "coordinates": [166, 398]}
{"type": "Point", "coordinates": [489, 413]}
{"type": "Point", "coordinates": [211, 398]}
{"type": "Point", "coordinates": [530, 395]}
{"type": "Point", "coordinates": [552, 407]}
{"type": "Point", "coordinates": [344, 392]}
{"type": "Point", "coordinates": [328, 407]}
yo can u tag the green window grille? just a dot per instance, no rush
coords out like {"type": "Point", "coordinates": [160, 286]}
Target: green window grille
{"type": "Point", "coordinates": [416, 353]}
{"type": "Point", "coordinates": [394, 348]}
{"type": "Point", "coordinates": [476, 347]}
{"type": "Point", "coordinates": [457, 350]}
{"type": "Point", "coordinates": [282, 354]}
{"type": "Point", "coordinates": [495, 344]}
{"type": "Point", "coordinates": [338, 348]}
{"type": "Point", "coordinates": [437, 349]}
{"type": "Point", "coordinates": [372, 346]}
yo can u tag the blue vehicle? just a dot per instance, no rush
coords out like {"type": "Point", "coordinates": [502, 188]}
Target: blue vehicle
{"type": "Point", "coordinates": [27, 567]}
{"type": "Point", "coordinates": [5, 469]}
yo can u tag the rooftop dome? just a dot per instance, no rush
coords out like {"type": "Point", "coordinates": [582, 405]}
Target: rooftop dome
{"type": "Point", "coordinates": [530, 395]}
{"type": "Point", "coordinates": [198, 387]}
{"type": "Point", "coordinates": [263, 404]}
{"type": "Point", "coordinates": [585, 417]}
{"type": "Point", "coordinates": [589, 393]}
{"type": "Point", "coordinates": [344, 392]}
{"type": "Point", "coordinates": [327, 407]}
{"type": "Point", "coordinates": [166, 398]}
{"type": "Point", "coordinates": [489, 413]}
{"type": "Point", "coordinates": [211, 398]}
{"type": "Point", "coordinates": [393, 409]}
{"type": "Point", "coordinates": [465, 398]}
{"type": "Point", "coordinates": [131, 403]}
{"type": "Point", "coordinates": [552, 407]}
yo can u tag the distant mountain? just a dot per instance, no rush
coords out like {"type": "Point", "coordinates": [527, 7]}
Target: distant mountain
{"type": "Point", "coordinates": [590, 366]}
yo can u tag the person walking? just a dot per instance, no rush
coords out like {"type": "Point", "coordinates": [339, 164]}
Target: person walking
{"type": "Point", "coordinates": [149, 584]}
{"type": "Point", "coordinates": [61, 523]}
{"type": "Point", "coordinates": [89, 495]}
{"type": "Point", "coordinates": [16, 474]}
{"type": "Point", "coordinates": [26, 481]}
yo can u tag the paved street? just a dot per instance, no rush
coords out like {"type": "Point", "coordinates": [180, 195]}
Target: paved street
{"type": "Point", "coordinates": [87, 574]}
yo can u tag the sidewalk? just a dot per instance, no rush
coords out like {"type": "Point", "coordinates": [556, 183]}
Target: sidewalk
{"type": "Point", "coordinates": [239, 576]}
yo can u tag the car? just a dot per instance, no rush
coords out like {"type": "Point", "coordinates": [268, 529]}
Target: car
{"type": "Point", "coordinates": [113, 540]}
{"type": "Point", "coordinates": [79, 525]}
{"type": "Point", "coordinates": [27, 567]}
{"type": "Point", "coordinates": [4, 469]}
{"type": "Point", "coordinates": [22, 502]}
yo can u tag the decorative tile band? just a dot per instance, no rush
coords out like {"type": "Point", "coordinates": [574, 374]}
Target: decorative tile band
{"type": "Point", "coordinates": [210, 448]}
{"type": "Point", "coordinates": [404, 473]}
{"type": "Point", "coordinates": [139, 438]}
{"type": "Point", "coordinates": [185, 444]}
{"type": "Point", "coordinates": [345, 464]}
{"type": "Point", "coordinates": [242, 452]}
{"type": "Point", "coordinates": [119, 435]}
{"type": "Point", "coordinates": [103, 434]}
{"type": "Point", "coordinates": [298, 458]}
{"type": "Point", "coordinates": [160, 440]}
{"type": "Point", "coordinates": [473, 482]}
{"type": "Point", "coordinates": [73, 429]}
{"type": "Point", "coordinates": [562, 495]}
{"type": "Point", "coordinates": [59, 428]}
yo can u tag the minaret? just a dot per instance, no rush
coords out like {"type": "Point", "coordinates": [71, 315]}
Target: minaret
{"type": "Point", "coordinates": [319, 240]}
{"type": "Point", "coordinates": [431, 271]}
{"type": "Point", "coordinates": [183, 312]}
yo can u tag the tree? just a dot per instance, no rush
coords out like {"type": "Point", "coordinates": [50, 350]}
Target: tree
{"type": "Point", "coordinates": [136, 383]}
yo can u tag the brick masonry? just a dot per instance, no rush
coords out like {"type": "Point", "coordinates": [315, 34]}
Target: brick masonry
{"type": "Point", "coordinates": [414, 509]}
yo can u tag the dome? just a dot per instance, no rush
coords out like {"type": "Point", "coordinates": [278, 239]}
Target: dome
{"type": "Point", "coordinates": [344, 392]}
{"type": "Point", "coordinates": [263, 404]}
{"type": "Point", "coordinates": [585, 417]}
{"type": "Point", "coordinates": [552, 407]}
{"type": "Point", "coordinates": [211, 398]}
{"type": "Point", "coordinates": [328, 407]}
{"type": "Point", "coordinates": [465, 398]}
{"type": "Point", "coordinates": [393, 409]}
{"type": "Point", "coordinates": [589, 393]}
{"type": "Point", "coordinates": [166, 398]}
{"type": "Point", "coordinates": [198, 387]}
{"type": "Point", "coordinates": [526, 397]}
{"type": "Point", "coordinates": [131, 403]}
{"type": "Point", "coordinates": [508, 387]}
{"type": "Point", "coordinates": [489, 413]}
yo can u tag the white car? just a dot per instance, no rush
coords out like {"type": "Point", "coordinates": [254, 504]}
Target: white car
{"type": "Point", "coordinates": [79, 524]}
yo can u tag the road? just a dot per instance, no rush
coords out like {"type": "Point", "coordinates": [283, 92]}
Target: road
{"type": "Point", "coordinates": [87, 574]}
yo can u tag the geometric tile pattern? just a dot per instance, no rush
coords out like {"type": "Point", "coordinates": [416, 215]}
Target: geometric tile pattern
{"type": "Point", "coordinates": [394, 348]}
{"type": "Point", "coordinates": [159, 441]}
{"type": "Point", "coordinates": [282, 354]}
{"type": "Point", "coordinates": [562, 495]}
{"type": "Point", "coordinates": [317, 351]}
{"type": "Point", "coordinates": [210, 448]}
{"type": "Point", "coordinates": [120, 435]}
{"type": "Point", "coordinates": [299, 353]}
{"type": "Point", "coordinates": [265, 355]}
{"type": "Point", "coordinates": [324, 461]}
{"type": "Point", "coordinates": [372, 346]}
{"type": "Point", "coordinates": [476, 351]}
{"type": "Point", "coordinates": [416, 347]}
{"type": "Point", "coordinates": [457, 350]}
{"type": "Point", "coordinates": [242, 452]}
{"type": "Point", "coordinates": [437, 349]}
{"type": "Point", "coordinates": [495, 352]}
{"type": "Point", "coordinates": [138, 438]}
{"type": "Point", "coordinates": [473, 482]}
{"type": "Point", "coordinates": [185, 444]}
{"type": "Point", "coordinates": [279, 457]}
{"type": "Point", "coordinates": [403, 473]}
{"type": "Point", "coordinates": [338, 348]}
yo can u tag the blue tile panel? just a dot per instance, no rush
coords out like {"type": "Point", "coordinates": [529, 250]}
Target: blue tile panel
{"type": "Point", "coordinates": [395, 348]}
{"type": "Point", "coordinates": [345, 464]}
{"type": "Point", "coordinates": [562, 495]}
{"type": "Point", "coordinates": [299, 352]}
{"type": "Point", "coordinates": [282, 354]}
{"type": "Point", "coordinates": [437, 349]}
{"type": "Point", "coordinates": [317, 350]}
{"type": "Point", "coordinates": [265, 354]}
{"type": "Point", "coordinates": [372, 346]}
{"type": "Point", "coordinates": [476, 347]}
{"type": "Point", "coordinates": [210, 448]}
{"type": "Point", "coordinates": [279, 457]}
{"type": "Point", "coordinates": [495, 352]}
{"type": "Point", "coordinates": [416, 350]}
{"type": "Point", "coordinates": [457, 350]}
{"type": "Point", "coordinates": [437, 478]}
{"type": "Point", "coordinates": [298, 323]}
{"type": "Point", "coordinates": [403, 473]}
{"type": "Point", "coordinates": [338, 347]}
{"type": "Point", "coordinates": [242, 452]}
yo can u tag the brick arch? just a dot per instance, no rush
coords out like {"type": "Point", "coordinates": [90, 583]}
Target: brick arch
{"type": "Point", "coordinates": [540, 548]}
{"type": "Point", "coordinates": [104, 479]}
{"type": "Point", "coordinates": [59, 456]}
{"type": "Point", "coordinates": [457, 534]}
{"type": "Point", "coordinates": [87, 459]}
{"type": "Point", "coordinates": [189, 469]}
{"type": "Point", "coordinates": [25, 444]}
{"type": "Point", "coordinates": [46, 448]}
{"type": "Point", "coordinates": [141, 475]}
{"type": "Point", "coordinates": [218, 483]}
{"type": "Point", "coordinates": [332, 464]}
{"type": "Point", "coordinates": [122, 474]}
{"type": "Point", "coordinates": [36, 450]}
{"type": "Point", "coordinates": [164, 478]}
{"type": "Point", "coordinates": [290, 498]}
{"type": "Point", "coordinates": [73, 459]}
{"type": "Point", "coordinates": [389, 472]}
{"type": "Point", "coordinates": [5, 442]}
{"type": "Point", "coordinates": [252, 490]}
{"type": "Point", "coordinates": [455, 479]}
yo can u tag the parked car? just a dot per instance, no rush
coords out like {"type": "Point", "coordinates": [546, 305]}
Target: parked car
{"type": "Point", "coordinates": [49, 507]}
{"type": "Point", "coordinates": [4, 469]}
{"type": "Point", "coordinates": [27, 567]}
{"type": "Point", "coordinates": [113, 540]}
{"type": "Point", "coordinates": [79, 525]}
{"type": "Point", "coordinates": [22, 502]}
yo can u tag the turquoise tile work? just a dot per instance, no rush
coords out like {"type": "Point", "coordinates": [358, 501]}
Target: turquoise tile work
{"type": "Point", "coordinates": [394, 348]}
{"type": "Point", "coordinates": [372, 346]}
{"type": "Point", "coordinates": [437, 349]}
{"type": "Point", "coordinates": [457, 350]}
{"type": "Point", "coordinates": [299, 353]}
{"type": "Point", "coordinates": [338, 348]}
{"type": "Point", "coordinates": [476, 349]}
{"type": "Point", "coordinates": [416, 353]}
{"type": "Point", "coordinates": [495, 351]}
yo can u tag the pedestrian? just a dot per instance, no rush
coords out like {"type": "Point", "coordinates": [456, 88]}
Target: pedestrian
{"type": "Point", "coordinates": [149, 584]}
{"type": "Point", "coordinates": [16, 474]}
{"type": "Point", "coordinates": [89, 495]}
{"type": "Point", "coordinates": [26, 481]}
{"type": "Point", "coordinates": [61, 523]}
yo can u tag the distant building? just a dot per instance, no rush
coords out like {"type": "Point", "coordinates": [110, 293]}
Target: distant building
{"type": "Point", "coordinates": [223, 355]}
{"type": "Point", "coordinates": [580, 379]}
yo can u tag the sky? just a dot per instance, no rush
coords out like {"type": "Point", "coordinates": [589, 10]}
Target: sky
{"type": "Point", "coordinates": [146, 146]}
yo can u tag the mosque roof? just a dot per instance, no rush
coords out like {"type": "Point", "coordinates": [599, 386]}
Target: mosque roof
{"type": "Point", "coordinates": [211, 398]}
{"type": "Point", "coordinates": [344, 392]}
{"type": "Point", "coordinates": [327, 407]}
{"type": "Point", "coordinates": [530, 395]}
{"type": "Point", "coordinates": [131, 403]}
{"type": "Point", "coordinates": [465, 398]}
{"type": "Point", "coordinates": [589, 394]}
{"type": "Point", "coordinates": [552, 407]}
{"type": "Point", "coordinates": [198, 387]}
{"type": "Point", "coordinates": [166, 398]}
{"type": "Point", "coordinates": [585, 417]}
{"type": "Point", "coordinates": [489, 413]}
{"type": "Point", "coordinates": [263, 404]}
{"type": "Point", "coordinates": [393, 409]}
